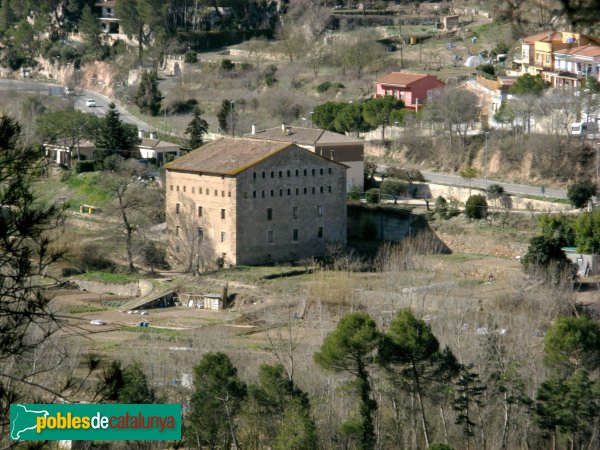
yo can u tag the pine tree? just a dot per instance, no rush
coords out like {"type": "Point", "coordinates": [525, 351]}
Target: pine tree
{"type": "Point", "coordinates": [148, 98]}
{"type": "Point", "coordinates": [227, 116]}
{"type": "Point", "coordinates": [196, 129]}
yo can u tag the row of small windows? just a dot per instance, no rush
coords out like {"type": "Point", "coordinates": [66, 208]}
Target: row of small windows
{"type": "Point", "coordinates": [207, 191]}
{"type": "Point", "coordinates": [297, 173]}
{"type": "Point", "coordinates": [201, 233]}
{"type": "Point", "coordinates": [289, 191]}
{"type": "Point", "coordinates": [296, 212]}
{"type": "Point", "coordinates": [200, 211]}
{"type": "Point", "coordinates": [295, 235]}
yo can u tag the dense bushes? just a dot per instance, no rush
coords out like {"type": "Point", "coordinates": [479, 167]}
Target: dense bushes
{"type": "Point", "coordinates": [84, 166]}
{"type": "Point", "coordinates": [476, 207]}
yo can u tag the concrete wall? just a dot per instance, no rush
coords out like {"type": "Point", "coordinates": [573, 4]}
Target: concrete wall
{"type": "Point", "coordinates": [126, 289]}
{"type": "Point", "coordinates": [294, 180]}
{"type": "Point", "coordinates": [378, 224]}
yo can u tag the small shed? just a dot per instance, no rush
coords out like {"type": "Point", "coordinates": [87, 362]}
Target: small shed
{"type": "Point", "coordinates": [213, 301]}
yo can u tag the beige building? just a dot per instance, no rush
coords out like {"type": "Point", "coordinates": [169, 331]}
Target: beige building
{"type": "Point", "coordinates": [249, 201]}
{"type": "Point", "coordinates": [154, 148]}
{"type": "Point", "coordinates": [336, 146]}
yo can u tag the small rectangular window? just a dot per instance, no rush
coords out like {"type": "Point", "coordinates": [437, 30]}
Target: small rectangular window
{"type": "Point", "coordinates": [329, 189]}
{"type": "Point", "coordinates": [295, 212]}
{"type": "Point", "coordinates": [295, 234]}
{"type": "Point", "coordinates": [171, 187]}
{"type": "Point", "coordinates": [289, 173]}
{"type": "Point", "coordinates": [177, 188]}
{"type": "Point", "coordinates": [321, 189]}
{"type": "Point", "coordinates": [254, 175]}
{"type": "Point", "coordinates": [253, 194]}
{"type": "Point", "coordinates": [222, 214]}
{"type": "Point", "coordinates": [223, 236]}
{"type": "Point", "coordinates": [200, 211]}
{"type": "Point", "coordinates": [272, 193]}
{"type": "Point", "coordinates": [177, 208]}
{"type": "Point", "coordinates": [183, 188]}
{"type": "Point", "coordinates": [297, 172]}
{"type": "Point", "coordinates": [229, 194]}
{"type": "Point", "coordinates": [177, 230]}
{"type": "Point", "coordinates": [320, 232]}
{"type": "Point", "coordinates": [329, 171]}
{"type": "Point", "coordinates": [263, 194]}
{"type": "Point", "coordinates": [305, 190]}
{"type": "Point", "coordinates": [270, 236]}
{"type": "Point", "coordinates": [320, 210]}
{"type": "Point", "coordinates": [263, 175]}
{"type": "Point", "coordinates": [269, 213]}
{"type": "Point", "coordinates": [222, 193]}
{"type": "Point", "coordinates": [207, 191]}
{"type": "Point", "coordinates": [280, 174]}
{"type": "Point", "coordinates": [200, 234]}
{"type": "Point", "coordinates": [199, 190]}
{"type": "Point", "coordinates": [216, 193]}
{"type": "Point", "coordinates": [281, 192]}
{"type": "Point", "coordinates": [272, 174]}
{"type": "Point", "coordinates": [305, 172]}
{"type": "Point", "coordinates": [314, 190]}
{"type": "Point", "coordinates": [289, 192]}
{"type": "Point", "coordinates": [297, 191]}
{"type": "Point", "coordinates": [321, 171]}
{"type": "Point", "coordinates": [313, 172]}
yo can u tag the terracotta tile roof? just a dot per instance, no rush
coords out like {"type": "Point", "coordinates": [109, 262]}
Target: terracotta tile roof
{"type": "Point", "coordinates": [401, 78]}
{"type": "Point", "coordinates": [304, 136]}
{"type": "Point", "coordinates": [228, 156]}
{"type": "Point", "coordinates": [543, 36]}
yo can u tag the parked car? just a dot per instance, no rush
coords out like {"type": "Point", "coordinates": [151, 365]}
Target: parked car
{"type": "Point", "coordinates": [90, 102]}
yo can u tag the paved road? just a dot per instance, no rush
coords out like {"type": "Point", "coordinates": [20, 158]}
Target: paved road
{"type": "Point", "coordinates": [102, 101]}
{"type": "Point", "coordinates": [511, 188]}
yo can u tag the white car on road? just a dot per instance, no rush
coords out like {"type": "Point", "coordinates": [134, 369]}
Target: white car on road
{"type": "Point", "coordinates": [90, 102]}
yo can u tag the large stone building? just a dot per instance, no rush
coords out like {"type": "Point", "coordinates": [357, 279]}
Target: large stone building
{"type": "Point", "coordinates": [248, 201]}
{"type": "Point", "coordinates": [336, 146]}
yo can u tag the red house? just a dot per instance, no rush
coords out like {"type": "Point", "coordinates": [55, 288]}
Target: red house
{"type": "Point", "coordinates": [413, 88]}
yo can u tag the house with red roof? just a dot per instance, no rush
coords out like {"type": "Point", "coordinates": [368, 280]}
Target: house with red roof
{"type": "Point", "coordinates": [412, 88]}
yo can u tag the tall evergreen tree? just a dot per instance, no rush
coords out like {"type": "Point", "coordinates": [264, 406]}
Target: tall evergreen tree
{"type": "Point", "coordinates": [196, 129]}
{"type": "Point", "coordinates": [89, 27]}
{"type": "Point", "coordinates": [351, 348]}
{"type": "Point", "coordinates": [148, 98]}
{"type": "Point", "coordinates": [227, 116]}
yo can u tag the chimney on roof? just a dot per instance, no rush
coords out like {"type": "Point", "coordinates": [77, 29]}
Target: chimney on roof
{"type": "Point", "coordinates": [288, 131]}
{"type": "Point", "coordinates": [141, 134]}
{"type": "Point", "coordinates": [283, 128]}
{"type": "Point", "coordinates": [153, 135]}
{"type": "Point", "coordinates": [253, 129]}
{"type": "Point", "coordinates": [332, 155]}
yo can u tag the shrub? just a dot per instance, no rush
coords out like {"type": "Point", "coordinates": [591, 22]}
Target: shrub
{"type": "Point", "coordinates": [90, 257]}
{"type": "Point", "coordinates": [323, 87]}
{"type": "Point", "coordinates": [581, 191]}
{"type": "Point", "coordinates": [84, 166]}
{"type": "Point", "coordinates": [373, 196]}
{"type": "Point", "coordinates": [546, 259]}
{"type": "Point", "coordinates": [476, 207]}
{"type": "Point", "coordinates": [181, 106]}
{"type": "Point", "coordinates": [393, 187]}
{"type": "Point", "coordinates": [191, 57]}
{"type": "Point", "coordinates": [227, 65]}
{"type": "Point", "coordinates": [487, 69]}
{"type": "Point", "coordinates": [441, 207]}
{"type": "Point", "coordinates": [494, 191]}
{"type": "Point", "coordinates": [354, 194]}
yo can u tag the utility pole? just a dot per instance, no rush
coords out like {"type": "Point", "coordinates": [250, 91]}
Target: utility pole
{"type": "Point", "coordinates": [231, 104]}
{"type": "Point", "coordinates": [486, 159]}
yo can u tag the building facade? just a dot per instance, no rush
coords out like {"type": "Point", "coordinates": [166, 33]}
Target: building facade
{"type": "Point", "coordinates": [413, 89]}
{"type": "Point", "coordinates": [247, 201]}
{"type": "Point", "coordinates": [108, 20]}
{"type": "Point", "coordinates": [335, 146]}
{"type": "Point", "coordinates": [563, 59]}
